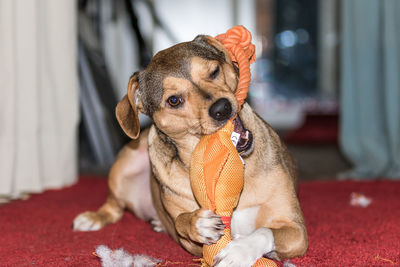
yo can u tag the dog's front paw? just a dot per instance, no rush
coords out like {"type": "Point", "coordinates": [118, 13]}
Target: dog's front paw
{"type": "Point", "coordinates": [236, 253]}
{"type": "Point", "coordinates": [209, 226]}
{"type": "Point", "coordinates": [157, 225]}
{"type": "Point", "coordinates": [244, 251]}
{"type": "Point", "coordinates": [88, 221]}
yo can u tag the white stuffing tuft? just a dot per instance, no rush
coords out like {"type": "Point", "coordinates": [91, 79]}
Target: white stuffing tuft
{"type": "Point", "coordinates": [287, 263]}
{"type": "Point", "coordinates": [359, 200]}
{"type": "Point", "coordinates": [144, 261]}
{"type": "Point", "coordinates": [114, 258]}
{"type": "Point", "coordinates": [121, 258]}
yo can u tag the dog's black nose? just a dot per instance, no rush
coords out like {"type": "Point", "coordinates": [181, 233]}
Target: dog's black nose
{"type": "Point", "coordinates": [221, 110]}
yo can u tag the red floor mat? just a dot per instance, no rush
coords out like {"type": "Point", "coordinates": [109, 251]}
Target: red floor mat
{"type": "Point", "coordinates": [316, 129]}
{"type": "Point", "coordinates": [37, 232]}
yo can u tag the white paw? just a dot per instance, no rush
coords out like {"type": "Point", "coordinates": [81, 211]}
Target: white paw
{"type": "Point", "coordinates": [244, 251]}
{"type": "Point", "coordinates": [87, 221]}
{"type": "Point", "coordinates": [157, 225]}
{"type": "Point", "coordinates": [209, 226]}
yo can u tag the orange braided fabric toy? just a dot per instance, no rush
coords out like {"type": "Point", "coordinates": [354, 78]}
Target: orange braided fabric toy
{"type": "Point", "coordinates": [216, 169]}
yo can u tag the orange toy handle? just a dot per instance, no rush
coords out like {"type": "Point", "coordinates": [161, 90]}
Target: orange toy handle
{"type": "Point", "coordinates": [237, 41]}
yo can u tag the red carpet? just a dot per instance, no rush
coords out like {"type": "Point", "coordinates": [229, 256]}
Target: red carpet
{"type": "Point", "coordinates": [37, 232]}
{"type": "Point", "coordinates": [316, 129]}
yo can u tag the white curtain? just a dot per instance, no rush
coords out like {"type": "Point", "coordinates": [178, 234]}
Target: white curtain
{"type": "Point", "coordinates": [38, 95]}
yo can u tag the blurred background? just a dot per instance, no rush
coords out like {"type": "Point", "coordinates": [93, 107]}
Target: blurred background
{"type": "Point", "coordinates": [326, 79]}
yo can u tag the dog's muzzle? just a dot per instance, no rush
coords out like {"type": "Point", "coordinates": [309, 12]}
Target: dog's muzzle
{"type": "Point", "coordinates": [221, 110]}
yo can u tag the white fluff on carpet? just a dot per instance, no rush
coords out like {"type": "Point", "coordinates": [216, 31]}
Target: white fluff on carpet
{"type": "Point", "coordinates": [122, 258]}
{"type": "Point", "coordinates": [288, 263]}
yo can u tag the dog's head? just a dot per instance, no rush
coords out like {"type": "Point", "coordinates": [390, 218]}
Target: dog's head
{"type": "Point", "coordinates": [188, 88]}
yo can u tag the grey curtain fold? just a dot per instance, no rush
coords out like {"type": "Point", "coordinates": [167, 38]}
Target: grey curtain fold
{"type": "Point", "coordinates": [370, 88]}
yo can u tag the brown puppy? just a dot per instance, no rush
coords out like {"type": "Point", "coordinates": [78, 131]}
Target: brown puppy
{"type": "Point", "coordinates": [188, 91]}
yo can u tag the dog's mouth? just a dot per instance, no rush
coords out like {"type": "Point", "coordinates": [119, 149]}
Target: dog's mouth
{"type": "Point", "coordinates": [242, 137]}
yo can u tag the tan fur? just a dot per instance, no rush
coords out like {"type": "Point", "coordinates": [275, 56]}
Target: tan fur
{"type": "Point", "coordinates": [159, 160]}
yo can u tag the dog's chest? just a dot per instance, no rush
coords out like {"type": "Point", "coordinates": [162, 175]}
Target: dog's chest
{"type": "Point", "coordinates": [176, 181]}
{"type": "Point", "coordinates": [171, 174]}
{"type": "Point", "coordinates": [243, 221]}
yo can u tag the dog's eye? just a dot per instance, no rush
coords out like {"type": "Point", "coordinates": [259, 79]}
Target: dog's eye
{"type": "Point", "coordinates": [215, 73]}
{"type": "Point", "coordinates": [174, 101]}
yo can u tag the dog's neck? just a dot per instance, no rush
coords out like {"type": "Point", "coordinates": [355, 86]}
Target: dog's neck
{"type": "Point", "coordinates": [182, 146]}
{"type": "Point", "coordinates": [186, 146]}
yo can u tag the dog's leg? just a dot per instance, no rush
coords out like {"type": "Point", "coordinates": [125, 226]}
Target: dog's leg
{"type": "Point", "coordinates": [282, 214]}
{"type": "Point", "coordinates": [274, 229]}
{"type": "Point", "coordinates": [129, 187]}
{"type": "Point", "coordinates": [249, 243]}
{"type": "Point", "coordinates": [190, 229]}
{"type": "Point", "coordinates": [290, 240]}
{"type": "Point", "coordinates": [244, 251]}
{"type": "Point", "coordinates": [201, 226]}
{"type": "Point", "coordinates": [109, 212]}
{"type": "Point", "coordinates": [286, 242]}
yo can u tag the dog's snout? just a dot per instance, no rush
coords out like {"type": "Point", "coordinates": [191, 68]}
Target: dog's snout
{"type": "Point", "coordinates": [221, 110]}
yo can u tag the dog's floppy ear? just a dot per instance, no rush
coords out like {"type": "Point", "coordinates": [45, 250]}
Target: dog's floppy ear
{"type": "Point", "coordinates": [127, 109]}
{"type": "Point", "coordinates": [214, 44]}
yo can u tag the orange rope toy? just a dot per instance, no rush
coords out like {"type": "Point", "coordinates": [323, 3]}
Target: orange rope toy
{"type": "Point", "coordinates": [237, 41]}
{"type": "Point", "coordinates": [216, 169]}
